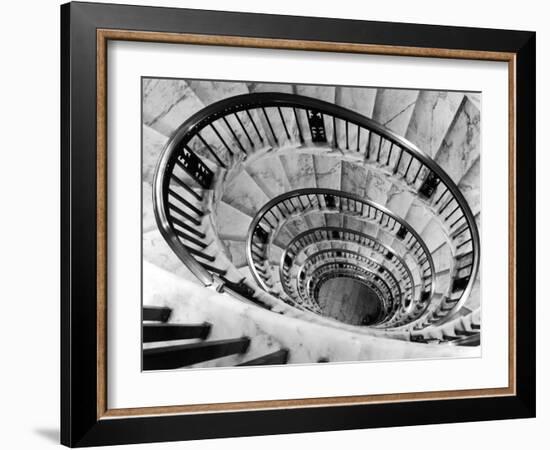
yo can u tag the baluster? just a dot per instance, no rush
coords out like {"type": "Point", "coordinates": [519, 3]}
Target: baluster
{"type": "Point", "coordinates": [213, 153]}
{"type": "Point", "coordinates": [457, 220]}
{"type": "Point", "coordinates": [186, 187]}
{"type": "Point", "coordinates": [446, 204]}
{"type": "Point", "coordinates": [379, 149]}
{"type": "Point", "coordinates": [408, 167]}
{"type": "Point", "coordinates": [244, 129]}
{"type": "Point", "coordinates": [228, 125]}
{"type": "Point", "coordinates": [199, 253]}
{"type": "Point", "coordinates": [452, 212]}
{"type": "Point", "coordinates": [389, 155]}
{"type": "Point", "coordinates": [334, 131]}
{"type": "Point", "coordinates": [367, 149]}
{"type": "Point", "coordinates": [464, 243]}
{"type": "Point", "coordinates": [270, 126]}
{"type": "Point", "coordinates": [254, 125]}
{"type": "Point", "coordinates": [221, 138]}
{"type": "Point", "coordinates": [417, 173]}
{"type": "Point", "coordinates": [195, 241]}
{"type": "Point", "coordinates": [193, 208]}
{"type": "Point", "coordinates": [459, 232]}
{"type": "Point", "coordinates": [214, 269]}
{"type": "Point", "coordinates": [284, 123]}
{"type": "Point", "coordinates": [441, 196]}
{"type": "Point", "coordinates": [396, 168]}
{"type": "Point", "coordinates": [184, 214]}
{"type": "Point", "coordinates": [298, 126]}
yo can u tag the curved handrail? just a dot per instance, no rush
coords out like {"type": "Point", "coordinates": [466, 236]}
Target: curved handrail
{"type": "Point", "coordinates": [333, 270]}
{"type": "Point", "coordinates": [400, 264]}
{"type": "Point", "coordinates": [388, 293]}
{"type": "Point", "coordinates": [317, 191]}
{"type": "Point", "coordinates": [219, 110]}
{"type": "Point", "coordinates": [349, 267]}
{"type": "Point", "coordinates": [317, 258]}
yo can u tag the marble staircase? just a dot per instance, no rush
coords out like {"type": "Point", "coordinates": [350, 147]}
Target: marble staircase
{"type": "Point", "coordinates": [258, 155]}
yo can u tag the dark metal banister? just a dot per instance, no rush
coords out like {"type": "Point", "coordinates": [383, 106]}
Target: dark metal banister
{"type": "Point", "coordinates": [359, 268]}
{"type": "Point", "coordinates": [324, 268]}
{"type": "Point", "coordinates": [401, 263]}
{"type": "Point", "coordinates": [362, 279]}
{"type": "Point", "coordinates": [358, 257]}
{"type": "Point", "coordinates": [302, 192]}
{"type": "Point", "coordinates": [346, 255]}
{"type": "Point", "coordinates": [245, 102]}
{"type": "Point", "coordinates": [333, 270]}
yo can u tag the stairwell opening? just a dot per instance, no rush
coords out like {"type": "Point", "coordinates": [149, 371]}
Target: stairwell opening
{"type": "Point", "coordinates": [331, 205]}
{"type": "Point", "coordinates": [350, 301]}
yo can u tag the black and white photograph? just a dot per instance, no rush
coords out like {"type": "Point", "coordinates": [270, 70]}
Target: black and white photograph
{"type": "Point", "coordinates": [276, 225]}
{"type": "Point", "coordinates": [303, 224]}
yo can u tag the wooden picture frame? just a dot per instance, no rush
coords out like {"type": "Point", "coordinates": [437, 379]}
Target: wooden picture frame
{"type": "Point", "coordinates": [85, 416]}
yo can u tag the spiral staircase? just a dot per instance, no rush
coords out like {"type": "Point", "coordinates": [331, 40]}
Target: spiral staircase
{"type": "Point", "coordinates": [299, 224]}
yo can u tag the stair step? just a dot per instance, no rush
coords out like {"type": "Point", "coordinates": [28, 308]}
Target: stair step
{"type": "Point", "coordinates": [460, 147]}
{"type": "Point", "coordinates": [393, 108]}
{"type": "Point", "coordinates": [278, 357]}
{"type": "Point", "coordinates": [156, 314]}
{"type": "Point", "coordinates": [299, 169]}
{"type": "Point", "coordinates": [470, 341]}
{"type": "Point", "coordinates": [176, 356]}
{"type": "Point", "coordinates": [269, 174]}
{"type": "Point", "coordinates": [325, 93]}
{"type": "Point", "coordinates": [166, 102]}
{"type": "Point", "coordinates": [433, 114]}
{"type": "Point", "coordinates": [470, 186]}
{"type": "Point", "coordinates": [465, 333]}
{"type": "Point", "coordinates": [232, 223]}
{"type": "Point", "coordinates": [244, 194]}
{"type": "Point", "coordinates": [360, 99]}
{"type": "Point", "coordinates": [153, 144]}
{"type": "Point", "coordinates": [172, 332]}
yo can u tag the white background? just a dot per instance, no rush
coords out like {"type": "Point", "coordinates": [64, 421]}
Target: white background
{"type": "Point", "coordinates": [128, 387]}
{"type": "Point", "coordinates": [29, 387]}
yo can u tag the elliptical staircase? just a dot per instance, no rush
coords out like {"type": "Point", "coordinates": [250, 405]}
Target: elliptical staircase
{"type": "Point", "coordinates": [267, 195]}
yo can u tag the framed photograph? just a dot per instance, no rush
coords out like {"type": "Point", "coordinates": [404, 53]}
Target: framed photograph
{"type": "Point", "coordinates": [277, 224]}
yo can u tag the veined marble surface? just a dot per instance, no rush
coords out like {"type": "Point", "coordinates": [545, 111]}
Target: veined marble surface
{"type": "Point", "coordinates": [307, 341]}
{"type": "Point", "coordinates": [299, 169]}
{"type": "Point", "coordinates": [444, 125]}
{"type": "Point", "coordinates": [460, 148]}
{"type": "Point", "coordinates": [360, 100]}
{"type": "Point", "coordinates": [433, 113]}
{"type": "Point", "coordinates": [244, 194]}
{"type": "Point", "coordinates": [394, 107]}
{"type": "Point", "coordinates": [269, 173]}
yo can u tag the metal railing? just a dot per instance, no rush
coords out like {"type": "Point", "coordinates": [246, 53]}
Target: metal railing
{"type": "Point", "coordinates": [340, 255]}
{"type": "Point", "coordinates": [271, 217]}
{"type": "Point", "coordinates": [313, 237]}
{"type": "Point", "coordinates": [348, 270]}
{"type": "Point", "coordinates": [213, 139]}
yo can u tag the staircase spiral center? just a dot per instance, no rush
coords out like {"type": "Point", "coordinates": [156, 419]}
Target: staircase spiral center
{"type": "Point", "coordinates": [350, 301]}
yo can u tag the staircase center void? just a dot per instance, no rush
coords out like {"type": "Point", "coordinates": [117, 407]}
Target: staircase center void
{"type": "Point", "coordinates": [349, 300]}
{"type": "Point", "coordinates": [250, 187]}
